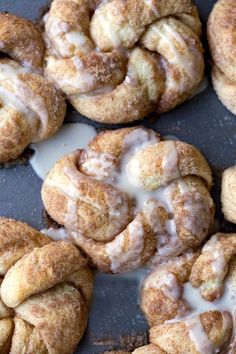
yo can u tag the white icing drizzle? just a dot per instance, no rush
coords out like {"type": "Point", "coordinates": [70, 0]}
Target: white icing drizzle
{"type": "Point", "coordinates": [23, 99]}
{"type": "Point", "coordinates": [219, 265]}
{"type": "Point", "coordinates": [71, 217]}
{"type": "Point", "coordinates": [116, 205]}
{"type": "Point", "coordinates": [55, 234]}
{"type": "Point", "coordinates": [130, 257]}
{"type": "Point", "coordinates": [198, 305]}
{"type": "Point", "coordinates": [178, 55]}
{"type": "Point", "coordinates": [211, 244]}
{"type": "Point", "coordinates": [106, 24]}
{"type": "Point", "coordinates": [170, 161]}
{"type": "Point", "coordinates": [70, 137]}
{"type": "Point", "coordinates": [227, 302]}
{"type": "Point", "coordinates": [127, 178]}
{"type": "Point", "coordinates": [198, 336]}
{"type": "Point", "coordinates": [80, 81]}
{"type": "Point", "coordinates": [167, 237]}
{"type": "Point", "coordinates": [218, 260]}
{"type": "Point", "coordinates": [167, 282]}
{"type": "Point", "coordinates": [195, 203]}
{"type": "Point", "coordinates": [124, 177]}
{"type": "Point", "coordinates": [183, 60]}
{"type": "Point", "coordinates": [101, 166]}
{"type": "Point", "coordinates": [60, 39]}
{"type": "Point", "coordinates": [153, 8]}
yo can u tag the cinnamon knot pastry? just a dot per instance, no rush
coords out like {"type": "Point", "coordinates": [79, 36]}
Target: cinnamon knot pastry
{"type": "Point", "coordinates": [129, 196]}
{"type": "Point", "coordinates": [44, 293]}
{"type": "Point", "coordinates": [117, 60]}
{"type": "Point", "coordinates": [31, 109]}
{"type": "Point", "coordinates": [179, 301]}
{"type": "Point", "coordinates": [228, 194]}
{"type": "Point", "coordinates": [221, 36]}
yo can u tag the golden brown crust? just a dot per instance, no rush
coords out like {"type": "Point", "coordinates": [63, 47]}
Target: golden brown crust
{"type": "Point", "coordinates": [175, 337]}
{"type": "Point", "coordinates": [221, 36]}
{"type": "Point", "coordinates": [6, 331]}
{"type": "Point", "coordinates": [180, 324]}
{"type": "Point", "coordinates": [21, 39]}
{"type": "Point", "coordinates": [54, 262]}
{"type": "Point", "coordinates": [138, 81]}
{"type": "Point", "coordinates": [228, 194]}
{"type": "Point", "coordinates": [52, 290]}
{"type": "Point", "coordinates": [95, 194]}
{"type": "Point", "coordinates": [59, 315]}
{"type": "Point", "coordinates": [31, 108]}
{"type": "Point", "coordinates": [17, 239]}
{"type": "Point", "coordinates": [161, 295]}
{"type": "Point", "coordinates": [54, 102]}
{"type": "Point", "coordinates": [217, 253]}
{"type": "Point", "coordinates": [26, 339]}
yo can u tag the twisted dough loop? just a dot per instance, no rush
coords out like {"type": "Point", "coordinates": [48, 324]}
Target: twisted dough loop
{"type": "Point", "coordinates": [221, 36]}
{"type": "Point", "coordinates": [45, 291]}
{"type": "Point", "coordinates": [20, 39]}
{"type": "Point", "coordinates": [118, 61]}
{"type": "Point", "coordinates": [128, 196]}
{"type": "Point", "coordinates": [163, 298]}
{"type": "Point", "coordinates": [31, 109]}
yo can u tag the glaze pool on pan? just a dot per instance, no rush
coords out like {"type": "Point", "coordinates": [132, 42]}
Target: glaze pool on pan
{"type": "Point", "coordinates": [115, 317]}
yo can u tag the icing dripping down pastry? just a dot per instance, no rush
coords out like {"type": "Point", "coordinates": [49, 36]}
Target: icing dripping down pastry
{"type": "Point", "coordinates": [71, 136]}
{"type": "Point", "coordinates": [128, 196]}
{"type": "Point", "coordinates": [22, 99]}
{"type": "Point", "coordinates": [198, 336]}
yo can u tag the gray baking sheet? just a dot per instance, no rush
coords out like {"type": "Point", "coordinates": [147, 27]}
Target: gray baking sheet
{"type": "Point", "coordinates": [115, 319]}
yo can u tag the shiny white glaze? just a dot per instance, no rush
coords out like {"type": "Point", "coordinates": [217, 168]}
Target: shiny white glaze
{"type": "Point", "coordinates": [21, 98]}
{"type": "Point", "coordinates": [131, 257]}
{"type": "Point", "coordinates": [70, 137]}
{"type": "Point", "coordinates": [56, 234]}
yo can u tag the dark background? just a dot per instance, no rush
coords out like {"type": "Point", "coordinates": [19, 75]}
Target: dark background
{"type": "Point", "coordinates": [115, 318]}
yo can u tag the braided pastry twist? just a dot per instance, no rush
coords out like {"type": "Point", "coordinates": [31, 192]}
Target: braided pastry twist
{"type": "Point", "coordinates": [45, 290]}
{"type": "Point", "coordinates": [118, 61]}
{"type": "Point", "coordinates": [221, 36]}
{"type": "Point", "coordinates": [166, 293]}
{"type": "Point", "coordinates": [31, 109]}
{"type": "Point", "coordinates": [128, 196]}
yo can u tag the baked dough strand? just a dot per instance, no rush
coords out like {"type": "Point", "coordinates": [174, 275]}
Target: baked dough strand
{"type": "Point", "coordinates": [45, 292]}
{"type": "Point", "coordinates": [117, 61]}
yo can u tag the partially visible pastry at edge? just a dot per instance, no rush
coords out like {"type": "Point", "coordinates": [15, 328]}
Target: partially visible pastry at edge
{"type": "Point", "coordinates": [178, 300]}
{"type": "Point", "coordinates": [228, 194]}
{"type": "Point", "coordinates": [44, 293]}
{"type": "Point", "coordinates": [208, 333]}
{"type": "Point", "coordinates": [117, 61]}
{"type": "Point", "coordinates": [222, 36]}
{"type": "Point", "coordinates": [31, 108]}
{"type": "Point", "coordinates": [129, 196]}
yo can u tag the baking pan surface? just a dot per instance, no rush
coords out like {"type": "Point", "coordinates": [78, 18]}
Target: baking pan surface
{"type": "Point", "coordinates": [115, 319]}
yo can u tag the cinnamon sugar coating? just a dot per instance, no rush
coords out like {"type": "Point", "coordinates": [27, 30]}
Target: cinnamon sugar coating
{"type": "Point", "coordinates": [45, 292]}
{"type": "Point", "coordinates": [31, 109]}
{"type": "Point", "coordinates": [129, 196]}
{"type": "Point", "coordinates": [221, 36]}
{"type": "Point", "coordinates": [119, 61]}
{"type": "Point", "coordinates": [172, 299]}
